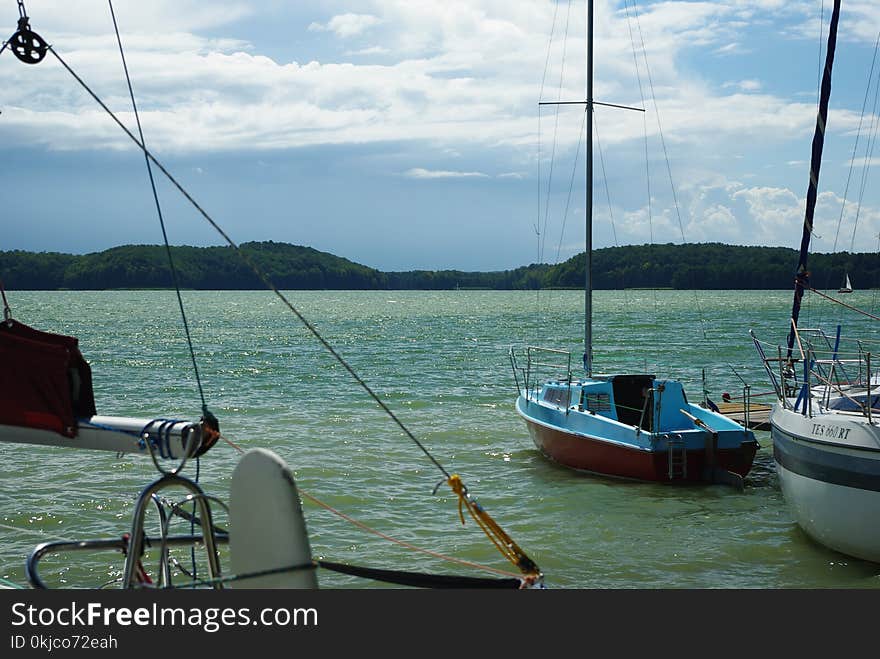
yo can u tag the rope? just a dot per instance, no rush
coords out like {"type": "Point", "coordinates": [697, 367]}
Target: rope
{"type": "Point", "coordinates": [375, 532]}
{"type": "Point", "coordinates": [396, 541]}
{"type": "Point", "coordinates": [262, 276]}
{"type": "Point", "coordinates": [10, 584]}
{"type": "Point", "coordinates": [494, 532]}
{"type": "Point", "coordinates": [843, 304]}
{"type": "Point", "coordinates": [422, 580]}
{"type": "Point", "coordinates": [523, 561]}
{"type": "Point", "coordinates": [402, 577]}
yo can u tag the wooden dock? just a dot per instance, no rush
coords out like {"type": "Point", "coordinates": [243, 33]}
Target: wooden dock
{"type": "Point", "coordinates": [759, 414]}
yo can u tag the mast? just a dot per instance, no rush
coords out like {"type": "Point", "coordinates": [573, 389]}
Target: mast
{"type": "Point", "coordinates": [802, 276]}
{"type": "Point", "coordinates": [588, 288]}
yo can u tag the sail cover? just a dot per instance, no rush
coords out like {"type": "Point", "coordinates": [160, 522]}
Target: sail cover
{"type": "Point", "coordinates": [802, 275]}
{"type": "Point", "coordinates": [44, 380]}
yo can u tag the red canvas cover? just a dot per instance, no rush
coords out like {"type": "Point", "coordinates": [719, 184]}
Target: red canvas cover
{"type": "Point", "coordinates": [44, 380]}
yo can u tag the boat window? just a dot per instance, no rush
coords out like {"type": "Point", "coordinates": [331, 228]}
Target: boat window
{"type": "Point", "coordinates": [596, 402]}
{"type": "Point", "coordinates": [556, 396]}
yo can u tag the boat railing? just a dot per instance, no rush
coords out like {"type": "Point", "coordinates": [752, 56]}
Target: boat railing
{"type": "Point", "coordinates": [115, 544]}
{"type": "Point", "coordinates": [835, 375]}
{"type": "Point", "coordinates": [837, 389]}
{"type": "Point", "coordinates": [779, 369]}
{"type": "Point", "coordinates": [539, 363]}
{"type": "Point", "coordinates": [133, 544]}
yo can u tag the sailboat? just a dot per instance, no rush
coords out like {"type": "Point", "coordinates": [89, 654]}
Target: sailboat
{"type": "Point", "coordinates": [47, 399]}
{"type": "Point", "coordinates": [847, 286]}
{"type": "Point", "coordinates": [631, 426]}
{"type": "Point", "coordinates": [824, 423]}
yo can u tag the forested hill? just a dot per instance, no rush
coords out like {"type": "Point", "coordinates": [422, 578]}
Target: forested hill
{"type": "Point", "coordinates": [700, 266]}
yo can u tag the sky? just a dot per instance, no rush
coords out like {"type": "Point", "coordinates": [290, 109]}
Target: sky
{"type": "Point", "coordinates": [408, 135]}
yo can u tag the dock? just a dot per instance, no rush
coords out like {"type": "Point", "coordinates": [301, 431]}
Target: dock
{"type": "Point", "coordinates": [759, 414]}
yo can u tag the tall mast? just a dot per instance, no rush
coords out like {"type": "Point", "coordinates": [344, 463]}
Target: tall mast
{"type": "Point", "coordinates": [802, 276]}
{"type": "Point", "coordinates": [588, 288]}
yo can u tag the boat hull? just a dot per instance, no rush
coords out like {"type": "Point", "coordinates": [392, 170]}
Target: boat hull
{"type": "Point", "coordinates": [632, 461]}
{"type": "Point", "coordinates": [829, 474]}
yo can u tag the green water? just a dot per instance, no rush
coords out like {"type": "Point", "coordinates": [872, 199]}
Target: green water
{"type": "Point", "coordinates": [439, 360]}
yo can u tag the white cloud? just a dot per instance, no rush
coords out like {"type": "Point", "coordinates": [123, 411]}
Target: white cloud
{"type": "Point", "coordinates": [52, 18]}
{"type": "Point", "coordinates": [730, 49]}
{"type": "Point", "coordinates": [419, 172]}
{"type": "Point", "coordinates": [346, 25]}
{"type": "Point", "coordinates": [453, 74]}
{"type": "Point", "coordinates": [372, 50]}
{"type": "Point", "coordinates": [744, 85]}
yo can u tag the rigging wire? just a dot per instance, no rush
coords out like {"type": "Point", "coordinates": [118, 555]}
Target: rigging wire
{"type": "Point", "coordinates": [541, 228]}
{"type": "Point", "coordinates": [549, 48]}
{"type": "Point", "coordinates": [666, 155]}
{"type": "Point", "coordinates": [543, 237]}
{"type": "Point", "coordinates": [174, 276]}
{"type": "Point", "coordinates": [645, 132]}
{"type": "Point", "coordinates": [626, 297]}
{"type": "Point", "coordinates": [856, 145]}
{"type": "Point", "coordinates": [482, 518]}
{"type": "Point", "coordinates": [570, 188]}
{"type": "Point", "coordinates": [207, 416]}
{"type": "Point", "coordinates": [537, 227]}
{"type": "Point", "coordinates": [869, 153]}
{"type": "Point", "coordinates": [870, 135]}
{"type": "Point", "coordinates": [250, 263]}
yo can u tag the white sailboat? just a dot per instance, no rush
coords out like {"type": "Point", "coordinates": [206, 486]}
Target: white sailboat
{"type": "Point", "coordinates": [847, 286]}
{"type": "Point", "coordinates": [633, 426]}
{"type": "Point", "coordinates": [824, 424]}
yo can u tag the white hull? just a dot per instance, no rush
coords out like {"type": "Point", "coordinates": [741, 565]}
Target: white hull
{"type": "Point", "coordinates": [829, 473]}
{"type": "Point", "coordinates": [836, 516]}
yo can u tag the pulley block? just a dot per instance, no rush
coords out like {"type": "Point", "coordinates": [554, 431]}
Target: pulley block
{"type": "Point", "coordinates": [28, 46]}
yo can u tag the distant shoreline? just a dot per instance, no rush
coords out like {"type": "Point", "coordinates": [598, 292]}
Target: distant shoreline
{"type": "Point", "coordinates": [701, 266]}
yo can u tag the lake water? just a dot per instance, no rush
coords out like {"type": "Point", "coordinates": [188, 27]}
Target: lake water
{"type": "Point", "coordinates": [440, 361]}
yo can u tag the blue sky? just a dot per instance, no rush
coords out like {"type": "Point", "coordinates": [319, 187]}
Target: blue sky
{"type": "Point", "coordinates": [407, 135]}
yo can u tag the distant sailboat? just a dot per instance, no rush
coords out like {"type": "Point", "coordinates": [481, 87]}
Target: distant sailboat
{"type": "Point", "coordinates": [632, 426]}
{"type": "Point", "coordinates": [847, 287]}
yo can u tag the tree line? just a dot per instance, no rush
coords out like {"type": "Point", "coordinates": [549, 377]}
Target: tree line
{"type": "Point", "coordinates": [712, 266]}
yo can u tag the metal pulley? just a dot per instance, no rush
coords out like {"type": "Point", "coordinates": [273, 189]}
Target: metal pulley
{"type": "Point", "coordinates": [27, 45]}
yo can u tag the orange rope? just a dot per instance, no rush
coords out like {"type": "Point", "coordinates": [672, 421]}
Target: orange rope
{"type": "Point", "coordinates": [401, 542]}
{"type": "Point", "coordinates": [493, 531]}
{"type": "Point", "coordinates": [368, 529]}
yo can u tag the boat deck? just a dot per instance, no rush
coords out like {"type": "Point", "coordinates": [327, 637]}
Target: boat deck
{"type": "Point", "coordinates": [759, 414]}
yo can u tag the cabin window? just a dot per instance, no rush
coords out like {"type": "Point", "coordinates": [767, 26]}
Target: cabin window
{"type": "Point", "coordinates": [556, 396]}
{"type": "Point", "coordinates": [597, 402]}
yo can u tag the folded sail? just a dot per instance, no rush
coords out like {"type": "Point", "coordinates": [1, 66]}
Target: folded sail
{"type": "Point", "coordinates": [45, 382]}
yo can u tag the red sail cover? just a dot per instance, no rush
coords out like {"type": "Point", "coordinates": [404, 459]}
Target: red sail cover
{"type": "Point", "coordinates": [44, 380]}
